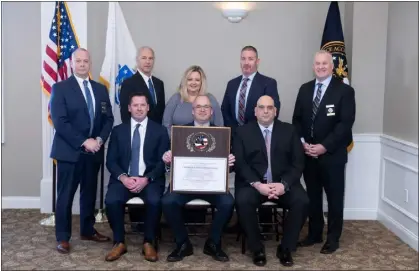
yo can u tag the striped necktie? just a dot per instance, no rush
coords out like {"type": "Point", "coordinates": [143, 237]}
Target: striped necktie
{"type": "Point", "coordinates": [316, 104]}
{"type": "Point", "coordinates": [242, 101]}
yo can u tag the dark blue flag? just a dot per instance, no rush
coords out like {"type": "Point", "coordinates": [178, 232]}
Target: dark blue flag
{"type": "Point", "coordinates": [333, 42]}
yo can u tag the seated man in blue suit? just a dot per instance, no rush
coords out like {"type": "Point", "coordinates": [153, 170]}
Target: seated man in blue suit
{"type": "Point", "coordinates": [173, 202]}
{"type": "Point", "coordinates": [134, 161]}
{"type": "Point", "coordinates": [82, 117]}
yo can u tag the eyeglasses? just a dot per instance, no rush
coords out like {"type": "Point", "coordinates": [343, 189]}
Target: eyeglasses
{"type": "Point", "coordinates": [199, 107]}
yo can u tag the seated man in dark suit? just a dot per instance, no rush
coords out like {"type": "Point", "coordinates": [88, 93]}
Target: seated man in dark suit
{"type": "Point", "coordinates": [173, 202]}
{"type": "Point", "coordinates": [269, 165]}
{"type": "Point", "coordinates": [134, 161]}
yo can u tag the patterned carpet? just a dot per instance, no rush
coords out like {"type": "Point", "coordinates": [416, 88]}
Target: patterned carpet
{"type": "Point", "coordinates": [365, 245]}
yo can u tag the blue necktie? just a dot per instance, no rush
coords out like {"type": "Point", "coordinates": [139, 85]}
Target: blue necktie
{"type": "Point", "coordinates": [135, 152]}
{"type": "Point", "coordinates": [89, 101]}
{"type": "Point", "coordinates": [151, 89]}
{"type": "Point", "coordinates": [268, 174]}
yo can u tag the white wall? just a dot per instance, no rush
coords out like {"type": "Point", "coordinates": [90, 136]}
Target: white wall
{"type": "Point", "coordinates": [398, 204]}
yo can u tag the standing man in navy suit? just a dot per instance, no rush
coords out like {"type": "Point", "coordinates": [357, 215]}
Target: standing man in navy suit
{"type": "Point", "coordinates": [242, 94]}
{"type": "Point", "coordinates": [324, 114]}
{"type": "Point", "coordinates": [137, 169]}
{"type": "Point", "coordinates": [144, 81]}
{"type": "Point", "coordinates": [82, 116]}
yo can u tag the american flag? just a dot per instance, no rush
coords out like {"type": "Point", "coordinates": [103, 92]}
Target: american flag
{"type": "Point", "coordinates": [61, 44]}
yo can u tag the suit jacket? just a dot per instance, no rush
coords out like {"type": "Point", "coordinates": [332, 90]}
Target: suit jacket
{"type": "Point", "coordinates": [156, 142]}
{"type": "Point", "coordinates": [261, 85]}
{"type": "Point", "coordinates": [136, 83]}
{"type": "Point", "coordinates": [71, 120]}
{"type": "Point", "coordinates": [333, 122]}
{"type": "Point", "coordinates": [287, 154]}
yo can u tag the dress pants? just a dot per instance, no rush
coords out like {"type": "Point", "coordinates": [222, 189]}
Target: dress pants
{"type": "Point", "coordinates": [331, 177]}
{"type": "Point", "coordinates": [115, 201]}
{"type": "Point", "coordinates": [69, 176]}
{"type": "Point", "coordinates": [173, 204]}
{"type": "Point", "coordinates": [248, 200]}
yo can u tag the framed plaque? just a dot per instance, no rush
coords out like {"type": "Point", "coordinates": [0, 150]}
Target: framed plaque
{"type": "Point", "coordinates": [200, 159]}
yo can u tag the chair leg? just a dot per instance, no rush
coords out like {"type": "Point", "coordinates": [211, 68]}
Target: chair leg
{"type": "Point", "coordinates": [276, 221]}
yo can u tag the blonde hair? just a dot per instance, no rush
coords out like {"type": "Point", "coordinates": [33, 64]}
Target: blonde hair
{"type": "Point", "coordinates": [183, 88]}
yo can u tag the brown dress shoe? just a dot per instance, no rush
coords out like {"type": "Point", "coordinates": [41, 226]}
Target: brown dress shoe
{"type": "Point", "coordinates": [149, 252]}
{"type": "Point", "coordinates": [63, 247]}
{"type": "Point", "coordinates": [117, 251]}
{"type": "Point", "coordinates": [97, 237]}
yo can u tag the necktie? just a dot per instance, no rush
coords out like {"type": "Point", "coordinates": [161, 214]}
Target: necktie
{"type": "Point", "coordinates": [268, 174]}
{"type": "Point", "coordinates": [316, 103]}
{"type": "Point", "coordinates": [135, 152]}
{"type": "Point", "coordinates": [89, 101]}
{"type": "Point", "coordinates": [242, 101]}
{"type": "Point", "coordinates": [151, 89]}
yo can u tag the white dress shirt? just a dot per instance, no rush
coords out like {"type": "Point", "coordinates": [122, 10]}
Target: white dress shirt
{"type": "Point", "coordinates": [80, 81]}
{"type": "Point", "coordinates": [145, 77]}
{"type": "Point", "coordinates": [142, 130]}
{"type": "Point", "coordinates": [207, 124]}
{"type": "Point", "coordinates": [249, 84]}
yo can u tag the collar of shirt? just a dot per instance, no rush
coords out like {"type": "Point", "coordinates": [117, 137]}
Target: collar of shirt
{"type": "Point", "coordinates": [263, 128]}
{"type": "Point", "coordinates": [207, 124]}
{"type": "Point", "coordinates": [143, 123]}
{"type": "Point", "coordinates": [250, 76]}
{"type": "Point", "coordinates": [145, 77]}
{"type": "Point", "coordinates": [325, 82]}
{"type": "Point", "coordinates": [80, 81]}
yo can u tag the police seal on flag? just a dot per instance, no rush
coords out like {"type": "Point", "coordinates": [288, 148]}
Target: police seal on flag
{"type": "Point", "coordinates": [200, 142]}
{"type": "Point", "coordinates": [337, 49]}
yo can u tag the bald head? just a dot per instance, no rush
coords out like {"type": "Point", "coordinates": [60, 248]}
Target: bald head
{"type": "Point", "coordinates": [145, 60]}
{"type": "Point", "coordinates": [265, 110]}
{"type": "Point", "coordinates": [202, 109]}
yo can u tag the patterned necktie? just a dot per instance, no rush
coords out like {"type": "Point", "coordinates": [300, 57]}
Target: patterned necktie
{"type": "Point", "coordinates": [268, 174]}
{"type": "Point", "coordinates": [242, 101]}
{"type": "Point", "coordinates": [316, 104]}
{"type": "Point", "coordinates": [135, 152]}
{"type": "Point", "coordinates": [151, 89]}
{"type": "Point", "coordinates": [90, 107]}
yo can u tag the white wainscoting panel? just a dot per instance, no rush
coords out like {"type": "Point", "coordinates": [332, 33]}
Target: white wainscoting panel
{"type": "Point", "coordinates": [398, 204]}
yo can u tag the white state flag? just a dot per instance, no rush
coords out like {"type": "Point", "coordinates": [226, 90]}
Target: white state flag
{"type": "Point", "coordinates": [120, 53]}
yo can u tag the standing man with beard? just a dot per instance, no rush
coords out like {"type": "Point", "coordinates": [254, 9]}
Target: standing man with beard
{"type": "Point", "coordinates": [242, 94]}
{"type": "Point", "coordinates": [323, 115]}
{"type": "Point", "coordinates": [153, 88]}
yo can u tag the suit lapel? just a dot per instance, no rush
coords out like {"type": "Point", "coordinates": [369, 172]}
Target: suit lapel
{"type": "Point", "coordinates": [275, 132]}
{"type": "Point", "coordinates": [254, 93]}
{"type": "Point", "coordinates": [97, 100]}
{"type": "Point", "coordinates": [78, 93]}
{"type": "Point", "coordinates": [236, 86]}
{"type": "Point", "coordinates": [261, 139]}
{"type": "Point", "coordinates": [126, 140]}
{"type": "Point", "coordinates": [147, 138]}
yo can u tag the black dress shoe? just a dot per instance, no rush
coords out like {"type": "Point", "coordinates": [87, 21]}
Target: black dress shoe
{"type": "Point", "coordinates": [309, 242]}
{"type": "Point", "coordinates": [215, 251]}
{"type": "Point", "coordinates": [259, 258]}
{"type": "Point", "coordinates": [329, 247]}
{"type": "Point", "coordinates": [180, 252]}
{"type": "Point", "coordinates": [284, 256]}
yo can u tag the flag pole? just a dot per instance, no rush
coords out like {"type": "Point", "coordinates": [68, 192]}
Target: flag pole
{"type": "Point", "coordinates": [101, 216]}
